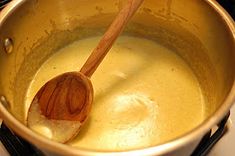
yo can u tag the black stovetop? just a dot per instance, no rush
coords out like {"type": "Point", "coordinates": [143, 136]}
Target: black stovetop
{"type": "Point", "coordinates": [229, 5]}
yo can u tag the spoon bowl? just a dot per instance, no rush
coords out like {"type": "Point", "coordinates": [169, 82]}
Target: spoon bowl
{"type": "Point", "coordinates": [66, 97]}
{"type": "Point", "coordinates": [61, 106]}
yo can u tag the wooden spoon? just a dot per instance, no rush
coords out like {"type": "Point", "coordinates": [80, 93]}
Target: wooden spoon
{"type": "Point", "coordinates": [62, 105]}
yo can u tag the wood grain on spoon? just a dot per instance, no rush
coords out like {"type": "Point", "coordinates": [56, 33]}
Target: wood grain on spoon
{"type": "Point", "coordinates": [69, 96]}
{"type": "Point", "coordinates": [66, 97]}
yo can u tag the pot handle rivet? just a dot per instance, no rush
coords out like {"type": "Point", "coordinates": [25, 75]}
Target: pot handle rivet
{"type": "Point", "coordinates": [8, 45]}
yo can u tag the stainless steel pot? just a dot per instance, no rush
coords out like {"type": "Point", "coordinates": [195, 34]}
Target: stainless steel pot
{"type": "Point", "coordinates": [201, 32]}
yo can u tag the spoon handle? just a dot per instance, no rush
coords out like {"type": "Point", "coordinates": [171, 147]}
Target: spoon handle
{"type": "Point", "coordinates": [109, 37]}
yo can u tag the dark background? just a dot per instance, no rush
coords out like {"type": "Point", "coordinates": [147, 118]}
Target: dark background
{"type": "Point", "coordinates": [229, 5]}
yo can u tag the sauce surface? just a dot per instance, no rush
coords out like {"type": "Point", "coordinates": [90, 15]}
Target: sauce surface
{"type": "Point", "coordinates": [145, 94]}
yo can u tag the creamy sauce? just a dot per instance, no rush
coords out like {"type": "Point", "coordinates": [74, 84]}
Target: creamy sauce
{"type": "Point", "coordinates": [144, 94]}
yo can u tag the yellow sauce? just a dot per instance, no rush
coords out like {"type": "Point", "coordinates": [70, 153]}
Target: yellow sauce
{"type": "Point", "coordinates": [145, 94]}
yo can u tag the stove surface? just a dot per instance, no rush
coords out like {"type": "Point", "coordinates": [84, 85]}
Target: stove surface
{"type": "Point", "coordinates": [225, 146]}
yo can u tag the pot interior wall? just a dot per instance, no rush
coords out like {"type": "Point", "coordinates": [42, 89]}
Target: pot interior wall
{"type": "Point", "coordinates": [39, 28]}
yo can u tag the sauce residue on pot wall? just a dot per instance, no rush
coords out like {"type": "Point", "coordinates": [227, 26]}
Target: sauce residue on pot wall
{"type": "Point", "coordinates": [145, 94]}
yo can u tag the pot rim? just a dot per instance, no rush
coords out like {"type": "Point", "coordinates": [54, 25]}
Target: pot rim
{"type": "Point", "coordinates": [161, 149]}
